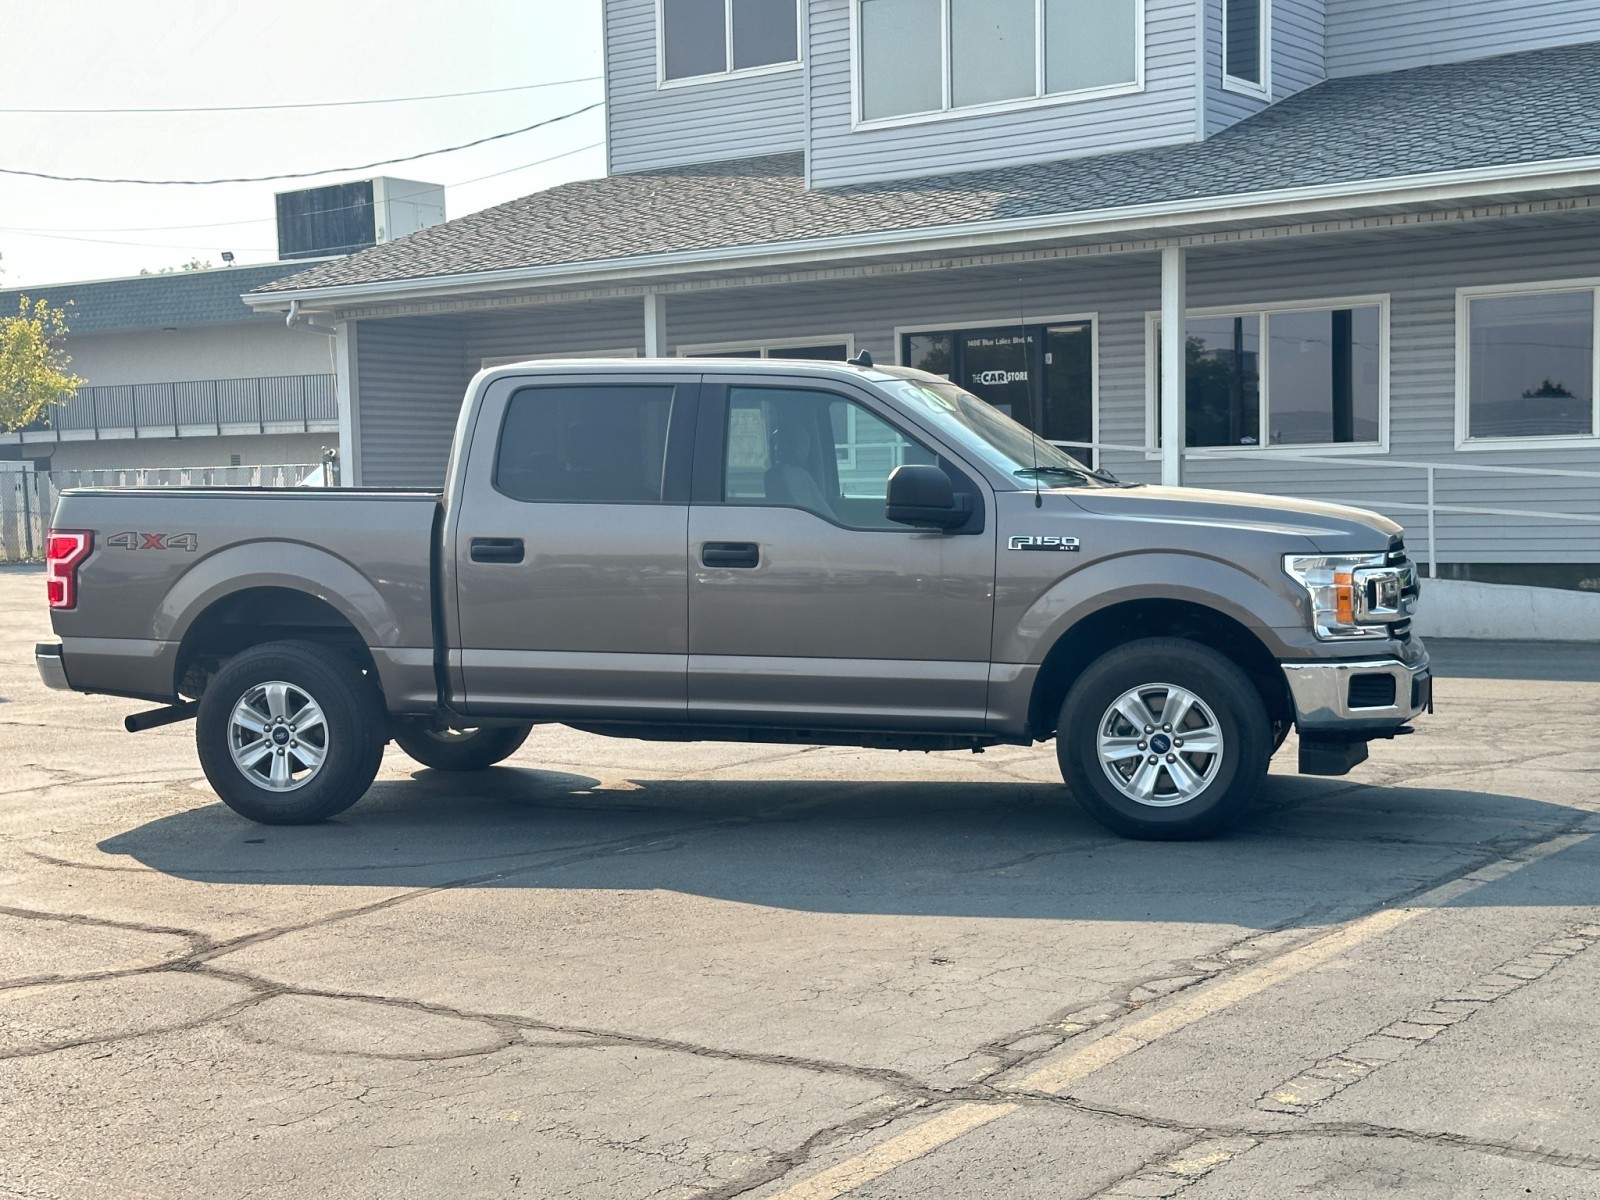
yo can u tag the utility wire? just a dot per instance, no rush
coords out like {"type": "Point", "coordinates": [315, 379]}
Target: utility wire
{"type": "Point", "coordinates": [383, 162]}
{"type": "Point", "coordinates": [207, 108]}
{"type": "Point", "coordinates": [60, 231]}
{"type": "Point", "coordinates": [67, 235]}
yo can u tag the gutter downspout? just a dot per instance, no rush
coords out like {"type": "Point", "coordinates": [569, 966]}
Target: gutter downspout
{"type": "Point", "coordinates": [295, 321]}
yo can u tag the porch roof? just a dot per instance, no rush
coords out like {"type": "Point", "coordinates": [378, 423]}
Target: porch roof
{"type": "Point", "coordinates": [1517, 124]}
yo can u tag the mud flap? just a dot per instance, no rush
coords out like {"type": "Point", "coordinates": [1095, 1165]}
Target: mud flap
{"type": "Point", "coordinates": [1326, 757]}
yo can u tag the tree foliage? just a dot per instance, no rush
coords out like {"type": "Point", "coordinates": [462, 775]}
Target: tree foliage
{"type": "Point", "coordinates": [33, 363]}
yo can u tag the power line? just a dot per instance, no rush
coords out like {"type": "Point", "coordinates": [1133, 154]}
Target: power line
{"type": "Point", "coordinates": [206, 108]}
{"type": "Point", "coordinates": [67, 235]}
{"type": "Point", "coordinates": [384, 162]}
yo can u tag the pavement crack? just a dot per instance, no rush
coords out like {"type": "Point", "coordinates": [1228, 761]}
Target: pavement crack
{"type": "Point", "coordinates": [1329, 1076]}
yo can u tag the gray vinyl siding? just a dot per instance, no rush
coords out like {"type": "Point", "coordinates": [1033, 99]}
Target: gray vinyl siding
{"type": "Point", "coordinates": [647, 126]}
{"type": "Point", "coordinates": [1164, 112]}
{"type": "Point", "coordinates": [412, 371]}
{"type": "Point", "coordinates": [575, 329]}
{"type": "Point", "coordinates": [1381, 35]}
{"type": "Point", "coordinates": [1420, 272]}
{"type": "Point", "coordinates": [411, 376]}
{"type": "Point", "coordinates": [1296, 60]}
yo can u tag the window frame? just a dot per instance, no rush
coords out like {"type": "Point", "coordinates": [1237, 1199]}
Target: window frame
{"type": "Point", "coordinates": [1464, 298]}
{"type": "Point", "coordinates": [1152, 377]}
{"type": "Point", "coordinates": [946, 112]}
{"type": "Point", "coordinates": [1243, 87]}
{"type": "Point", "coordinates": [664, 84]}
{"type": "Point", "coordinates": [901, 332]}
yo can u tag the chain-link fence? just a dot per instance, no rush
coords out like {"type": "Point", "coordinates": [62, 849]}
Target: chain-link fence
{"type": "Point", "coordinates": [28, 498]}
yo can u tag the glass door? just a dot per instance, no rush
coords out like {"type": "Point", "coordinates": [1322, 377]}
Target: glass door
{"type": "Point", "coordinates": [1039, 375]}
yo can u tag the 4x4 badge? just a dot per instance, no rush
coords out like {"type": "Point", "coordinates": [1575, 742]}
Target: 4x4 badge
{"type": "Point", "coordinates": [1042, 542]}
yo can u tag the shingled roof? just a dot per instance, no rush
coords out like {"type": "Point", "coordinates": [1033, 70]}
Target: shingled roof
{"type": "Point", "coordinates": [1532, 107]}
{"type": "Point", "coordinates": [177, 299]}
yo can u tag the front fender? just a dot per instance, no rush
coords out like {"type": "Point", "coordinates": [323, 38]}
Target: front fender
{"type": "Point", "coordinates": [1222, 586]}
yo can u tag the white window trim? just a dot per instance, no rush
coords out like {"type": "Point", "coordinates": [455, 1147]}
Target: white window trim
{"type": "Point", "coordinates": [948, 112]}
{"type": "Point", "coordinates": [765, 345]}
{"type": "Point", "coordinates": [1464, 298]}
{"type": "Point", "coordinates": [1152, 366]}
{"type": "Point", "coordinates": [501, 360]}
{"type": "Point", "coordinates": [664, 84]}
{"type": "Point", "coordinates": [1016, 322]}
{"type": "Point", "coordinates": [1243, 87]}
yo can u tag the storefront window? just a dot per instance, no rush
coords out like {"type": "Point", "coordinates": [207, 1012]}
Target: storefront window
{"type": "Point", "coordinates": [1039, 375]}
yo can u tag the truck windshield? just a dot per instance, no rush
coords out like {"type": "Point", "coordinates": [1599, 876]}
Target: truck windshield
{"type": "Point", "coordinates": [990, 435]}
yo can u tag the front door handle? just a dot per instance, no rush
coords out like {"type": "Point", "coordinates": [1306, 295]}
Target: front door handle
{"type": "Point", "coordinates": [497, 550]}
{"type": "Point", "coordinates": [730, 554]}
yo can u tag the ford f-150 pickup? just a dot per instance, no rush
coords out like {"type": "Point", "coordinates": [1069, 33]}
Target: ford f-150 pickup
{"type": "Point", "coordinates": [767, 551]}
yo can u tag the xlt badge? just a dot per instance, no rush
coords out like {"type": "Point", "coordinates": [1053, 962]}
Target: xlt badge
{"type": "Point", "coordinates": [1043, 542]}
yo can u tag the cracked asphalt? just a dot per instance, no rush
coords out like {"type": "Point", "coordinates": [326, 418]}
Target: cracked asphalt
{"type": "Point", "coordinates": [616, 969]}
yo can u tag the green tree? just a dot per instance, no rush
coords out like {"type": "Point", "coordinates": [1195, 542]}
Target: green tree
{"type": "Point", "coordinates": [194, 264]}
{"type": "Point", "coordinates": [33, 363]}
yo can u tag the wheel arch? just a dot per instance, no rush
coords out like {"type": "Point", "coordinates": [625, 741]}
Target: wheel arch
{"type": "Point", "coordinates": [1130, 620]}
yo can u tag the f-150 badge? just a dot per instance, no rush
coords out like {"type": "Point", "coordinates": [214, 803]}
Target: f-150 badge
{"type": "Point", "coordinates": [1042, 542]}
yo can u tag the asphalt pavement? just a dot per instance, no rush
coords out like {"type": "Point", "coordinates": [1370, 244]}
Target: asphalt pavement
{"type": "Point", "coordinates": [622, 969]}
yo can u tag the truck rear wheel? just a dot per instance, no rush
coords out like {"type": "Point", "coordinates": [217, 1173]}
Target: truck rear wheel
{"type": "Point", "coordinates": [462, 749]}
{"type": "Point", "coordinates": [1164, 739]}
{"type": "Point", "coordinates": [289, 733]}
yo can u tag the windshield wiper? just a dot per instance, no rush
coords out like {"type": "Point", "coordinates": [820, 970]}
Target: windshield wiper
{"type": "Point", "coordinates": [1064, 472]}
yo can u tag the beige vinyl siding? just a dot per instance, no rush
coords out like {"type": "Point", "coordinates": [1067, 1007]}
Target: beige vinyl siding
{"type": "Point", "coordinates": [647, 126]}
{"type": "Point", "coordinates": [1364, 36]}
{"type": "Point", "coordinates": [1164, 112]}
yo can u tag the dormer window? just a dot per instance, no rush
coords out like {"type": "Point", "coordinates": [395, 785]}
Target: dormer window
{"type": "Point", "coordinates": [921, 57]}
{"type": "Point", "coordinates": [701, 39]}
{"type": "Point", "coordinates": [1245, 37]}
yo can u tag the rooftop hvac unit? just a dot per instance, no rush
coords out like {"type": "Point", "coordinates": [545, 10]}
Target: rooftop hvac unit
{"type": "Point", "coordinates": [344, 217]}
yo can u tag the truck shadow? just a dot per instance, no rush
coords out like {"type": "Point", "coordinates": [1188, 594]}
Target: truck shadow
{"type": "Point", "coordinates": [1312, 850]}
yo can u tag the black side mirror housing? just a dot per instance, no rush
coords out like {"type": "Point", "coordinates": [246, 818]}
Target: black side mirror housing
{"type": "Point", "coordinates": [921, 495]}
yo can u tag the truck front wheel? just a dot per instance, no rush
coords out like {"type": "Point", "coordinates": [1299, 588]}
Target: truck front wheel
{"type": "Point", "coordinates": [1164, 739]}
{"type": "Point", "coordinates": [289, 733]}
{"type": "Point", "coordinates": [462, 749]}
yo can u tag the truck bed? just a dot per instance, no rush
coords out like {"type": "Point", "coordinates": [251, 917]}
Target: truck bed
{"type": "Point", "coordinates": [164, 561]}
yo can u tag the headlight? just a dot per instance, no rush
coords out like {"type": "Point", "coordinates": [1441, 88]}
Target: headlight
{"type": "Point", "coordinates": [1353, 595]}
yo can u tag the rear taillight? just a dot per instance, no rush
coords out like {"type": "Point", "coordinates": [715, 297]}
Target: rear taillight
{"type": "Point", "coordinates": [64, 553]}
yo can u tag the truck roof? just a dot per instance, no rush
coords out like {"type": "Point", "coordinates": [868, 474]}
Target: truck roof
{"type": "Point", "coordinates": [709, 365]}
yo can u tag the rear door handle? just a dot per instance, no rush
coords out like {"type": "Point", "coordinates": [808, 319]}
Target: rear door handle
{"type": "Point", "coordinates": [730, 554]}
{"type": "Point", "coordinates": [497, 550]}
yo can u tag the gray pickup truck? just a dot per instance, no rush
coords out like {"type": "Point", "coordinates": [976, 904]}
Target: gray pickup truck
{"type": "Point", "coordinates": [761, 551]}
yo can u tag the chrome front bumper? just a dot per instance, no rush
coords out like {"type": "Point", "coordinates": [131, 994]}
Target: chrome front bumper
{"type": "Point", "coordinates": [1322, 694]}
{"type": "Point", "coordinates": [51, 668]}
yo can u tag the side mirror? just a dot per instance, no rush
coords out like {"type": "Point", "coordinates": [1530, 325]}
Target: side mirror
{"type": "Point", "coordinates": [921, 495]}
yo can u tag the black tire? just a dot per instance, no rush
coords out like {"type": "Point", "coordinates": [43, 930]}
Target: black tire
{"type": "Point", "coordinates": [464, 750]}
{"type": "Point", "coordinates": [1218, 793]}
{"type": "Point", "coordinates": [352, 733]}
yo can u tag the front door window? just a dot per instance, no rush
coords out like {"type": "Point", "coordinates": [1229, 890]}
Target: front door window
{"type": "Point", "coordinates": [813, 450]}
{"type": "Point", "coordinates": [1039, 375]}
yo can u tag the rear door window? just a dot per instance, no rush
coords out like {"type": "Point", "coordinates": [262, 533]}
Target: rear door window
{"type": "Point", "coordinates": [595, 444]}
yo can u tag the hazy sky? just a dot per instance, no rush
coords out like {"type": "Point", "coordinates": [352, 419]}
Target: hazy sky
{"type": "Point", "coordinates": [144, 53]}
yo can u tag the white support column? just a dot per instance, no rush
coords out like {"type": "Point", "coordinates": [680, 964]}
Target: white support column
{"type": "Point", "coordinates": [1174, 402]}
{"type": "Point", "coordinates": [347, 394]}
{"type": "Point", "coordinates": [655, 325]}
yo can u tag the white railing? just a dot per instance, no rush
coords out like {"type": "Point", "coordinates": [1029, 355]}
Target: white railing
{"type": "Point", "coordinates": [1429, 470]}
{"type": "Point", "coordinates": [28, 498]}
